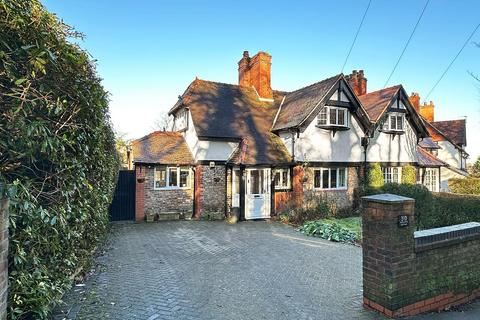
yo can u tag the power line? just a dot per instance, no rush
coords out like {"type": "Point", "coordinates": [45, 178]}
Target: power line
{"type": "Point", "coordinates": [406, 44]}
{"type": "Point", "coordinates": [356, 34]}
{"type": "Point", "coordinates": [455, 58]}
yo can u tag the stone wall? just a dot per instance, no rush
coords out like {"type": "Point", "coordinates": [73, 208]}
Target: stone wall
{"type": "Point", "coordinates": [166, 203]}
{"type": "Point", "coordinates": [406, 272]}
{"type": "Point", "coordinates": [212, 192]}
{"type": "Point", "coordinates": [3, 257]}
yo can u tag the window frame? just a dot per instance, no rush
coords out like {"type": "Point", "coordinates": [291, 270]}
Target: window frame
{"type": "Point", "coordinates": [167, 169]}
{"type": "Point", "coordinates": [337, 179]}
{"type": "Point", "coordinates": [390, 171]}
{"type": "Point", "coordinates": [325, 114]}
{"type": "Point", "coordinates": [281, 186]}
{"type": "Point", "coordinates": [431, 174]}
{"type": "Point", "coordinates": [387, 125]}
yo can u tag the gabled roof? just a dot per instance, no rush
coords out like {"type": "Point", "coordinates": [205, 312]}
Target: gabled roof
{"type": "Point", "coordinates": [223, 111]}
{"type": "Point", "coordinates": [426, 159]}
{"type": "Point", "coordinates": [163, 147]}
{"type": "Point", "coordinates": [438, 135]}
{"type": "Point", "coordinates": [455, 130]}
{"type": "Point", "coordinates": [377, 102]}
{"type": "Point", "coordinates": [299, 104]}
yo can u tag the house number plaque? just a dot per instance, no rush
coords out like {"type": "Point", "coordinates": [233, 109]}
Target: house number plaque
{"type": "Point", "coordinates": [403, 221]}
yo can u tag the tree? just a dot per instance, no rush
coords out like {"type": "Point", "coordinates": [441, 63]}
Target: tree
{"type": "Point", "coordinates": [375, 175]}
{"type": "Point", "coordinates": [161, 122]}
{"type": "Point", "coordinates": [123, 146]}
{"type": "Point", "coordinates": [57, 150]}
{"type": "Point", "coordinates": [475, 169]}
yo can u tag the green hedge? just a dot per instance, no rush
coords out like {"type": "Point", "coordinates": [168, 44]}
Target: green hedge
{"type": "Point", "coordinates": [434, 210]}
{"type": "Point", "coordinates": [465, 186]}
{"type": "Point", "coordinates": [409, 174]}
{"type": "Point", "coordinates": [374, 175]}
{"type": "Point", "coordinates": [57, 155]}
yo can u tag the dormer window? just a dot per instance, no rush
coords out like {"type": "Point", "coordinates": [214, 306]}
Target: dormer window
{"type": "Point", "coordinates": [333, 117]}
{"type": "Point", "coordinates": [394, 122]}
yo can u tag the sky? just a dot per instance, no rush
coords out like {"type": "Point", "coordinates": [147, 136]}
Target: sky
{"type": "Point", "coordinates": [148, 52]}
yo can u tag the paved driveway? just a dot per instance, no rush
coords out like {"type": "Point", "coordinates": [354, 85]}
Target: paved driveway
{"type": "Point", "coordinates": [210, 270]}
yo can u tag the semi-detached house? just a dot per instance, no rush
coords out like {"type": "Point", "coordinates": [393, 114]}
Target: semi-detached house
{"type": "Point", "coordinates": [252, 150]}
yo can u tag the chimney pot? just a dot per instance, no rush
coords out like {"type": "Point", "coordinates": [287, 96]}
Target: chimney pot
{"type": "Point", "coordinates": [245, 54]}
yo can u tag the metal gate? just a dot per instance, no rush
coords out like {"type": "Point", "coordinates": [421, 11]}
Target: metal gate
{"type": "Point", "coordinates": [123, 203]}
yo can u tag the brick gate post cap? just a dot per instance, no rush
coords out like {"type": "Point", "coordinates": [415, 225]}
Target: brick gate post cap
{"type": "Point", "coordinates": [387, 198]}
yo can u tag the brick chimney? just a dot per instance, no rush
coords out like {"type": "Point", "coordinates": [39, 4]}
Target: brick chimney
{"type": "Point", "coordinates": [428, 111]}
{"type": "Point", "coordinates": [255, 71]}
{"type": "Point", "coordinates": [358, 82]}
{"type": "Point", "coordinates": [415, 100]}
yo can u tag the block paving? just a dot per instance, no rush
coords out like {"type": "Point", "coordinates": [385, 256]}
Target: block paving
{"type": "Point", "coordinates": [211, 270]}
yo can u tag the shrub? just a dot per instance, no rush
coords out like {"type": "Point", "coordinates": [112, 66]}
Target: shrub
{"type": "Point", "coordinates": [409, 174]}
{"type": "Point", "coordinates": [450, 209]}
{"type": "Point", "coordinates": [434, 210]}
{"type": "Point", "coordinates": [375, 175]}
{"type": "Point", "coordinates": [57, 151]}
{"type": "Point", "coordinates": [313, 207]}
{"type": "Point", "coordinates": [465, 186]}
{"type": "Point", "coordinates": [330, 231]}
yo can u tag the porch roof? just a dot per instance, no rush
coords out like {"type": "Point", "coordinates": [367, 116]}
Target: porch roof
{"type": "Point", "coordinates": [163, 147]}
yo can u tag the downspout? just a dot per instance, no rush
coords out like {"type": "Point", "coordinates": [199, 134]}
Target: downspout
{"type": "Point", "coordinates": [194, 190]}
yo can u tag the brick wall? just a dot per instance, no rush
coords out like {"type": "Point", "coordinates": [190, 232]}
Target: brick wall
{"type": "Point", "coordinates": [407, 272]}
{"type": "Point", "coordinates": [212, 192]}
{"type": "Point", "coordinates": [342, 198]}
{"type": "Point", "coordinates": [3, 257]}
{"type": "Point", "coordinates": [167, 203]}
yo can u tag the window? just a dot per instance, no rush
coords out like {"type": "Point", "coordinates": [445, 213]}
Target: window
{"type": "Point", "coordinates": [391, 174]}
{"type": "Point", "coordinates": [394, 122]}
{"type": "Point", "coordinates": [282, 178]}
{"type": "Point", "coordinates": [171, 177]}
{"type": "Point", "coordinates": [330, 178]}
{"type": "Point", "coordinates": [333, 116]}
{"type": "Point", "coordinates": [160, 177]}
{"type": "Point", "coordinates": [431, 179]}
{"type": "Point", "coordinates": [181, 120]}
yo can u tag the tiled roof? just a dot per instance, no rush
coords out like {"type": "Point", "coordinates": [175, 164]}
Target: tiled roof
{"type": "Point", "coordinates": [376, 102]}
{"type": "Point", "coordinates": [428, 143]}
{"type": "Point", "coordinates": [426, 159]}
{"type": "Point", "coordinates": [455, 130]}
{"type": "Point", "coordinates": [162, 147]}
{"type": "Point", "coordinates": [226, 111]}
{"type": "Point", "coordinates": [300, 103]}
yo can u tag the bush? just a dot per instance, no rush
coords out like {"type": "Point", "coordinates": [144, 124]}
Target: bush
{"type": "Point", "coordinates": [434, 210]}
{"type": "Point", "coordinates": [375, 175]}
{"type": "Point", "coordinates": [57, 151]}
{"type": "Point", "coordinates": [465, 186]}
{"type": "Point", "coordinates": [313, 207]}
{"type": "Point", "coordinates": [450, 209]}
{"type": "Point", "coordinates": [330, 231]}
{"type": "Point", "coordinates": [409, 174]}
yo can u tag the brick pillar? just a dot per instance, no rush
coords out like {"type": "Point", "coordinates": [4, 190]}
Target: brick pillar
{"type": "Point", "coordinates": [3, 257]}
{"type": "Point", "coordinates": [198, 192]}
{"type": "Point", "coordinates": [140, 192]}
{"type": "Point", "coordinates": [297, 184]}
{"type": "Point", "coordinates": [388, 252]}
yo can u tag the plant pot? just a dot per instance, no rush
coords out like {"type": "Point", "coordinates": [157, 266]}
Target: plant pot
{"type": "Point", "coordinates": [150, 217]}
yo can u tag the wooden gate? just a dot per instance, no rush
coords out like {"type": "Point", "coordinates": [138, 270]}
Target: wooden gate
{"type": "Point", "coordinates": [123, 203]}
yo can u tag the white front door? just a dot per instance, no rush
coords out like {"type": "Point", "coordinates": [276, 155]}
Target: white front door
{"type": "Point", "coordinates": [257, 194]}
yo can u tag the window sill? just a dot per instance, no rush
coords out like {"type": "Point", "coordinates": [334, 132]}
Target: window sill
{"type": "Point", "coordinates": [171, 188]}
{"type": "Point", "coordinates": [333, 127]}
{"type": "Point", "coordinates": [399, 132]}
{"type": "Point", "coordinates": [283, 189]}
{"type": "Point", "coordinates": [331, 189]}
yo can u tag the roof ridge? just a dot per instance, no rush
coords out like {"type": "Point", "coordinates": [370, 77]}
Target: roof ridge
{"type": "Point", "coordinates": [156, 132]}
{"type": "Point", "coordinates": [315, 83]}
{"type": "Point", "coordinates": [391, 87]}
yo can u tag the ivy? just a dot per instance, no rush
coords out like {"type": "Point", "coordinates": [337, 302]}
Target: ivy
{"type": "Point", "coordinates": [57, 155]}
